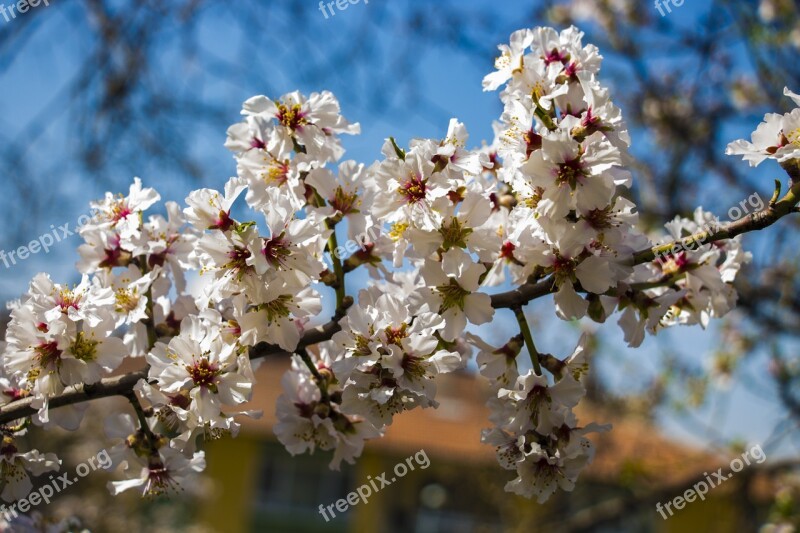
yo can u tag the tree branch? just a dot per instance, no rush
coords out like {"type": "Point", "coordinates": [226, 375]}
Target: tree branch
{"type": "Point", "coordinates": [524, 294]}
{"type": "Point", "coordinates": [752, 222]}
{"type": "Point", "coordinates": [123, 385]}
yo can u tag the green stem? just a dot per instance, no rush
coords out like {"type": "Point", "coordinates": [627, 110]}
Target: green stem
{"type": "Point", "coordinates": [526, 334]}
{"type": "Point", "coordinates": [150, 321]}
{"type": "Point", "coordinates": [337, 265]}
{"type": "Point", "coordinates": [546, 119]}
{"type": "Point", "coordinates": [332, 245]}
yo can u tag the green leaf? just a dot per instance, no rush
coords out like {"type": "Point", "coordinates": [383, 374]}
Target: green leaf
{"type": "Point", "coordinates": [399, 151]}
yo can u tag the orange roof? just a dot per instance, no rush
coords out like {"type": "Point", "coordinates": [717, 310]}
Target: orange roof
{"type": "Point", "coordinates": [632, 447]}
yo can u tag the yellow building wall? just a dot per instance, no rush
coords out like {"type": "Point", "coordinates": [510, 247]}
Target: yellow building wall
{"type": "Point", "coordinates": [714, 515]}
{"type": "Point", "coordinates": [367, 516]}
{"type": "Point", "coordinates": [234, 466]}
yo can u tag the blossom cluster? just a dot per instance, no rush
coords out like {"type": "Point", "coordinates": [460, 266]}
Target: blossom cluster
{"type": "Point", "coordinates": [194, 295]}
{"type": "Point", "coordinates": [777, 137]}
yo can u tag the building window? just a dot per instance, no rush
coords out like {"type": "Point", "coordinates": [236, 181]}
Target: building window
{"type": "Point", "coordinates": [298, 485]}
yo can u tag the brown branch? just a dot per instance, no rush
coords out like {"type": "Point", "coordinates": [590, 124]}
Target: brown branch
{"type": "Point", "coordinates": [123, 385]}
{"type": "Point", "coordinates": [752, 222]}
{"type": "Point", "coordinates": [524, 294]}
{"type": "Point", "coordinates": [114, 386]}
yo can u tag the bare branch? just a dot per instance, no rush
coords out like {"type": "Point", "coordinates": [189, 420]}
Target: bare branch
{"type": "Point", "coordinates": [123, 385]}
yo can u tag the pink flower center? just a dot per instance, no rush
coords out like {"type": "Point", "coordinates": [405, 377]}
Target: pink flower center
{"type": "Point", "coordinates": [159, 479]}
{"type": "Point", "coordinates": [555, 55]}
{"type": "Point", "coordinates": [238, 258]}
{"type": "Point", "coordinates": [570, 172]}
{"type": "Point", "coordinates": [47, 354]}
{"type": "Point", "coordinates": [67, 299]}
{"type": "Point", "coordinates": [223, 221]}
{"type": "Point", "coordinates": [507, 252]}
{"type": "Point", "coordinates": [276, 250]}
{"type": "Point", "coordinates": [119, 210]}
{"type": "Point", "coordinates": [203, 373]}
{"type": "Point", "coordinates": [414, 189]}
{"type": "Point", "coordinates": [533, 142]}
{"type": "Point", "coordinates": [292, 117]}
{"type": "Point", "coordinates": [571, 69]}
